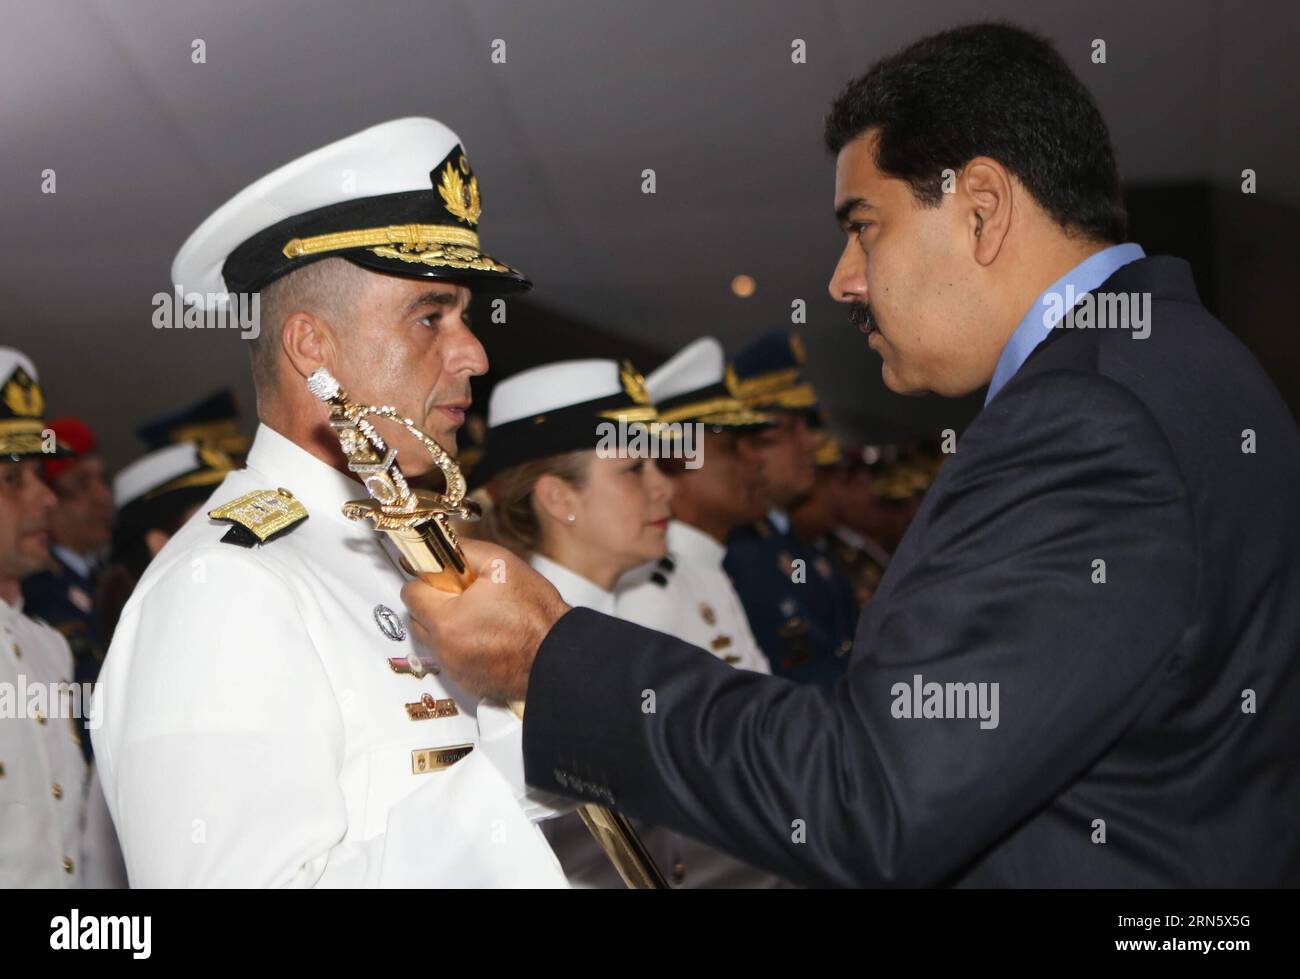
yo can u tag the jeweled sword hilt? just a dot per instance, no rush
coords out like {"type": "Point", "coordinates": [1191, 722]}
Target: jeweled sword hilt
{"type": "Point", "coordinates": [416, 520]}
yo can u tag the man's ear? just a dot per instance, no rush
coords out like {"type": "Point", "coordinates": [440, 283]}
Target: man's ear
{"type": "Point", "coordinates": [555, 497]}
{"type": "Point", "coordinates": [308, 342]}
{"type": "Point", "coordinates": [155, 540]}
{"type": "Point", "coordinates": [985, 195]}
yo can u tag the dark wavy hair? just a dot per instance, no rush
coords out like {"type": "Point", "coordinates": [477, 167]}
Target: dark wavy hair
{"type": "Point", "coordinates": [988, 90]}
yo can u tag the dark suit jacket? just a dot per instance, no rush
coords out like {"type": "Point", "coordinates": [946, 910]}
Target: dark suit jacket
{"type": "Point", "coordinates": [48, 596]}
{"type": "Point", "coordinates": [1125, 707]}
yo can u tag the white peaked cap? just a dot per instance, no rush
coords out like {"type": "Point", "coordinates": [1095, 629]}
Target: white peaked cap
{"type": "Point", "coordinates": [155, 470]}
{"type": "Point", "coordinates": [388, 178]}
{"type": "Point", "coordinates": [699, 364]}
{"type": "Point", "coordinates": [552, 386]}
{"type": "Point", "coordinates": [11, 360]}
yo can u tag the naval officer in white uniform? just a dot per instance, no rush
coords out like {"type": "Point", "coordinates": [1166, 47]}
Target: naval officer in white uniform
{"type": "Point", "coordinates": [687, 594]}
{"type": "Point", "coordinates": [267, 717]}
{"type": "Point", "coordinates": [44, 778]}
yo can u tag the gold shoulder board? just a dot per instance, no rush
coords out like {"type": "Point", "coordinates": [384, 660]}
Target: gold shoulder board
{"type": "Point", "coordinates": [259, 516]}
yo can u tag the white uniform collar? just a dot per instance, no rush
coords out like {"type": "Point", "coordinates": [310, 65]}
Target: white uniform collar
{"type": "Point", "coordinates": [694, 546]}
{"type": "Point", "coordinates": [14, 611]}
{"type": "Point", "coordinates": [573, 587]}
{"type": "Point", "coordinates": [320, 487]}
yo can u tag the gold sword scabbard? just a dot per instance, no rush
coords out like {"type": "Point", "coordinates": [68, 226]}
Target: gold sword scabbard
{"type": "Point", "coordinates": [417, 523]}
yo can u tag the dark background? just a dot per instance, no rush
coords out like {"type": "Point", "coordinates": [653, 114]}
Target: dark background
{"type": "Point", "coordinates": [146, 143]}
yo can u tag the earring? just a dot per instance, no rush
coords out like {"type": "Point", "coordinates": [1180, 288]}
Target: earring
{"type": "Point", "coordinates": [572, 518]}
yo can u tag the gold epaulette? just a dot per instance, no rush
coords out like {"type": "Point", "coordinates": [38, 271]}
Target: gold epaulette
{"type": "Point", "coordinates": [259, 516]}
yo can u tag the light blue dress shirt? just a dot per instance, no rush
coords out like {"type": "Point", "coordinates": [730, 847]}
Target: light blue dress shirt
{"type": "Point", "coordinates": [1038, 321]}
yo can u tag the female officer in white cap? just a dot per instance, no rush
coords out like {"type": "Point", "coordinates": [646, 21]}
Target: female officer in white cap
{"type": "Point", "coordinates": [581, 515]}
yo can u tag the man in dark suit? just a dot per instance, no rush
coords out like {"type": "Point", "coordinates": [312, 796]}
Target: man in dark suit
{"type": "Point", "coordinates": [1082, 666]}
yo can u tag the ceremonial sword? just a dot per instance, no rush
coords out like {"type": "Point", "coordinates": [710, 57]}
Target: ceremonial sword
{"type": "Point", "coordinates": [417, 522]}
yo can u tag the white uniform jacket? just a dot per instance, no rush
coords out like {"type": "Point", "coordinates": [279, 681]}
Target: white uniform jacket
{"type": "Point", "coordinates": [43, 773]}
{"type": "Point", "coordinates": [264, 723]}
{"type": "Point", "coordinates": [688, 595]}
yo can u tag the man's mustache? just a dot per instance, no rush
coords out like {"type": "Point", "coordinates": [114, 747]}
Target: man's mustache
{"type": "Point", "coordinates": [863, 317]}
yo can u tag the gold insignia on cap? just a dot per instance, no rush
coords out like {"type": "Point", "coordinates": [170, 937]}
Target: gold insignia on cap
{"type": "Point", "coordinates": [707, 613]}
{"type": "Point", "coordinates": [719, 643]}
{"type": "Point", "coordinates": [425, 760]}
{"type": "Point", "coordinates": [780, 388]}
{"type": "Point", "coordinates": [263, 513]}
{"type": "Point", "coordinates": [460, 196]}
{"type": "Point", "coordinates": [633, 383]}
{"type": "Point", "coordinates": [642, 409]}
{"type": "Point", "coordinates": [452, 256]}
{"type": "Point", "coordinates": [22, 396]}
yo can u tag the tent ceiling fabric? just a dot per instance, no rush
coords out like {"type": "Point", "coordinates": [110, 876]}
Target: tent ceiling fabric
{"type": "Point", "coordinates": [144, 143]}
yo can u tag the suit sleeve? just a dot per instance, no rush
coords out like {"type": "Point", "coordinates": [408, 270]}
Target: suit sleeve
{"type": "Point", "coordinates": [222, 749]}
{"type": "Point", "coordinates": [830, 787]}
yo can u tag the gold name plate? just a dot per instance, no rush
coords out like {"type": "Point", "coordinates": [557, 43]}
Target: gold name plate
{"type": "Point", "coordinates": [425, 760]}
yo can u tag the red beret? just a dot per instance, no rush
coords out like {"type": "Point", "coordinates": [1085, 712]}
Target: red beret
{"type": "Point", "coordinates": [71, 433]}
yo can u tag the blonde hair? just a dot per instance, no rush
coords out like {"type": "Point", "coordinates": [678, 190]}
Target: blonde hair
{"type": "Point", "coordinates": [512, 519]}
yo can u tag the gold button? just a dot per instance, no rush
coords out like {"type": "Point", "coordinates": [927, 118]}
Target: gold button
{"type": "Point", "coordinates": [2, 769]}
{"type": "Point", "coordinates": [679, 872]}
{"type": "Point", "coordinates": [18, 652]}
{"type": "Point", "coordinates": [67, 865]}
{"type": "Point", "coordinates": [57, 789]}
{"type": "Point", "coordinates": [40, 718]}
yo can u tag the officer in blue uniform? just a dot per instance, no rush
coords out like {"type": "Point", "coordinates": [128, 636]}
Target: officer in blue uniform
{"type": "Point", "coordinates": [793, 595]}
{"type": "Point", "coordinates": [212, 422]}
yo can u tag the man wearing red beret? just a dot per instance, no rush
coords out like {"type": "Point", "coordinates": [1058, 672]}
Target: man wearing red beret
{"type": "Point", "coordinates": [80, 525]}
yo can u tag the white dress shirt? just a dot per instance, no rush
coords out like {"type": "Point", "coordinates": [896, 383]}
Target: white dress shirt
{"type": "Point", "coordinates": [255, 729]}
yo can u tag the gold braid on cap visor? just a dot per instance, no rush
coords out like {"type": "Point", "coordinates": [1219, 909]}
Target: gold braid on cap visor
{"type": "Point", "coordinates": [427, 244]}
{"type": "Point", "coordinates": [714, 411]}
